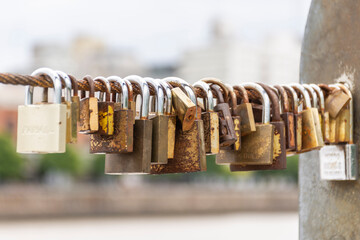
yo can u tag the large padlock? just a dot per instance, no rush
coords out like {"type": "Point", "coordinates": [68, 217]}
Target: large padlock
{"type": "Point", "coordinates": [227, 134]}
{"type": "Point", "coordinates": [138, 161]}
{"type": "Point", "coordinates": [169, 113]}
{"type": "Point", "coordinates": [106, 109]}
{"type": "Point", "coordinates": [323, 115]}
{"type": "Point", "coordinates": [279, 145]}
{"type": "Point", "coordinates": [335, 101]}
{"type": "Point", "coordinates": [311, 128]}
{"type": "Point", "coordinates": [288, 117]}
{"type": "Point", "coordinates": [159, 152]}
{"type": "Point", "coordinates": [257, 147]}
{"type": "Point", "coordinates": [332, 162]}
{"type": "Point", "coordinates": [122, 139]}
{"type": "Point", "coordinates": [245, 111]}
{"type": "Point", "coordinates": [89, 119]}
{"type": "Point", "coordinates": [210, 119]}
{"type": "Point", "coordinates": [42, 127]}
{"type": "Point", "coordinates": [71, 114]}
{"type": "Point", "coordinates": [189, 155]}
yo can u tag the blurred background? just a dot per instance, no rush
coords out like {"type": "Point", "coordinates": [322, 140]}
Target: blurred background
{"type": "Point", "coordinates": [233, 40]}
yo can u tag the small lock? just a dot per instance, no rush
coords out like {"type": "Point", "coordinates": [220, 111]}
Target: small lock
{"type": "Point", "coordinates": [323, 115]}
{"type": "Point", "coordinates": [42, 127]}
{"type": "Point", "coordinates": [335, 101]}
{"type": "Point", "coordinates": [89, 120]}
{"type": "Point", "coordinates": [245, 111]}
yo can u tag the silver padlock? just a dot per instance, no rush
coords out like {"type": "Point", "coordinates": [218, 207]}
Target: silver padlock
{"type": "Point", "coordinates": [42, 127]}
{"type": "Point", "coordinates": [332, 162]}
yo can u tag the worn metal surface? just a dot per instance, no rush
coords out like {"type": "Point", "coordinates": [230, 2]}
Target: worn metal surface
{"type": "Point", "coordinates": [171, 135]}
{"type": "Point", "coordinates": [330, 210]}
{"type": "Point", "coordinates": [184, 107]}
{"type": "Point", "coordinates": [211, 132]}
{"type": "Point", "coordinates": [159, 152]}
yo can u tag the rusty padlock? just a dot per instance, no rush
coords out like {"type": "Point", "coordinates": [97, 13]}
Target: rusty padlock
{"type": "Point", "coordinates": [343, 120]}
{"type": "Point", "coordinates": [122, 139]}
{"type": "Point", "coordinates": [89, 119]}
{"type": "Point", "coordinates": [335, 101]}
{"type": "Point", "coordinates": [210, 119]}
{"type": "Point", "coordinates": [138, 161]}
{"type": "Point", "coordinates": [330, 127]}
{"type": "Point", "coordinates": [288, 117]}
{"type": "Point", "coordinates": [189, 155]}
{"type": "Point", "coordinates": [235, 117]}
{"type": "Point", "coordinates": [323, 115]}
{"type": "Point", "coordinates": [245, 111]}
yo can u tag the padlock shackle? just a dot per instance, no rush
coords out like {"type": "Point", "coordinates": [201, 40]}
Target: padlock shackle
{"type": "Point", "coordinates": [264, 99]}
{"type": "Point", "coordinates": [205, 88]}
{"type": "Point", "coordinates": [145, 94]}
{"type": "Point", "coordinates": [275, 106]}
{"type": "Point", "coordinates": [321, 97]}
{"type": "Point", "coordinates": [242, 92]}
{"type": "Point", "coordinates": [167, 89]}
{"type": "Point", "coordinates": [130, 89]}
{"type": "Point", "coordinates": [29, 90]}
{"type": "Point", "coordinates": [219, 95]}
{"type": "Point", "coordinates": [68, 85]}
{"type": "Point", "coordinates": [74, 85]}
{"type": "Point", "coordinates": [211, 80]}
{"type": "Point", "coordinates": [294, 97]}
{"type": "Point", "coordinates": [107, 85]}
{"type": "Point", "coordinates": [284, 98]}
{"type": "Point", "coordinates": [276, 91]}
{"type": "Point", "coordinates": [123, 98]}
{"type": "Point", "coordinates": [351, 109]}
{"type": "Point", "coordinates": [90, 81]}
{"type": "Point", "coordinates": [232, 97]}
{"type": "Point", "coordinates": [303, 92]}
{"type": "Point", "coordinates": [312, 94]}
{"type": "Point", "coordinates": [160, 97]}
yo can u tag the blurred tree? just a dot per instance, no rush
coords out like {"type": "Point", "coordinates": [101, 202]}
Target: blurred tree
{"type": "Point", "coordinates": [68, 163]}
{"type": "Point", "coordinates": [11, 163]}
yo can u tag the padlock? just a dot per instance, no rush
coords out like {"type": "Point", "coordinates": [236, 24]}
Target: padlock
{"type": "Point", "coordinates": [335, 101]}
{"type": "Point", "coordinates": [279, 143]}
{"type": "Point", "coordinates": [257, 147]}
{"type": "Point", "coordinates": [227, 134]}
{"type": "Point", "coordinates": [235, 117]}
{"type": "Point", "coordinates": [210, 119]}
{"type": "Point", "coordinates": [122, 139]}
{"type": "Point", "coordinates": [323, 115]}
{"type": "Point", "coordinates": [171, 118]}
{"type": "Point", "coordinates": [138, 161]}
{"type": "Point", "coordinates": [105, 109]}
{"type": "Point", "coordinates": [245, 111]}
{"type": "Point", "coordinates": [311, 129]}
{"type": "Point", "coordinates": [288, 117]}
{"type": "Point", "coordinates": [189, 155]}
{"type": "Point", "coordinates": [332, 162]}
{"type": "Point", "coordinates": [42, 127]}
{"type": "Point", "coordinates": [159, 152]}
{"type": "Point", "coordinates": [89, 119]}
{"type": "Point", "coordinates": [131, 100]}
{"type": "Point", "coordinates": [184, 107]}
{"type": "Point", "coordinates": [71, 115]}
{"type": "Point", "coordinates": [75, 103]}
{"type": "Point", "coordinates": [351, 149]}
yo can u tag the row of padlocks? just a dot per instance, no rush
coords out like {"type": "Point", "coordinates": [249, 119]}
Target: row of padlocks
{"type": "Point", "coordinates": [161, 126]}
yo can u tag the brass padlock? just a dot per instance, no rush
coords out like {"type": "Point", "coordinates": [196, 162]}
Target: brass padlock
{"type": "Point", "coordinates": [335, 101]}
{"type": "Point", "coordinates": [106, 109]}
{"type": "Point", "coordinates": [75, 99]}
{"type": "Point", "coordinates": [288, 117]}
{"type": "Point", "coordinates": [171, 118]}
{"type": "Point", "coordinates": [226, 125]}
{"type": "Point", "coordinates": [89, 119]}
{"type": "Point", "coordinates": [159, 152]}
{"type": "Point", "coordinates": [323, 115]}
{"type": "Point", "coordinates": [138, 161]}
{"type": "Point", "coordinates": [245, 111]}
{"type": "Point", "coordinates": [330, 127]}
{"type": "Point", "coordinates": [189, 155]}
{"type": "Point", "coordinates": [294, 106]}
{"type": "Point", "coordinates": [42, 127]}
{"type": "Point", "coordinates": [279, 144]}
{"type": "Point", "coordinates": [311, 128]}
{"type": "Point", "coordinates": [210, 119]}
{"type": "Point", "coordinates": [71, 114]}
{"type": "Point", "coordinates": [257, 147]}
{"type": "Point", "coordinates": [235, 117]}
{"type": "Point", "coordinates": [122, 139]}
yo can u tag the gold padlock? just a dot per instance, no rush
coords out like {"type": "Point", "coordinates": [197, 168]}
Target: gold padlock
{"type": "Point", "coordinates": [323, 115]}
{"type": "Point", "coordinates": [89, 119]}
{"type": "Point", "coordinates": [245, 111]}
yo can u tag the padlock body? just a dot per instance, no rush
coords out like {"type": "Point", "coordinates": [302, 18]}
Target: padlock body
{"type": "Point", "coordinates": [211, 132]}
{"type": "Point", "coordinates": [68, 121]}
{"type": "Point", "coordinates": [138, 161]}
{"type": "Point", "coordinates": [311, 130]}
{"type": "Point", "coordinates": [226, 125]}
{"type": "Point", "coordinates": [106, 118]}
{"type": "Point", "coordinates": [159, 152]}
{"type": "Point", "coordinates": [41, 128]}
{"type": "Point", "coordinates": [332, 132]}
{"type": "Point", "coordinates": [343, 126]}
{"type": "Point", "coordinates": [326, 127]}
{"type": "Point", "coordinates": [335, 102]}
{"type": "Point", "coordinates": [298, 132]}
{"type": "Point", "coordinates": [171, 135]}
{"type": "Point", "coordinates": [351, 160]}
{"type": "Point", "coordinates": [122, 139]}
{"type": "Point", "coordinates": [288, 119]}
{"type": "Point", "coordinates": [132, 106]}
{"type": "Point", "coordinates": [246, 114]}
{"type": "Point", "coordinates": [75, 108]}
{"type": "Point", "coordinates": [189, 153]}
{"type": "Point", "coordinates": [237, 127]}
{"type": "Point", "coordinates": [89, 119]}
{"type": "Point", "coordinates": [332, 162]}
{"type": "Point", "coordinates": [185, 109]}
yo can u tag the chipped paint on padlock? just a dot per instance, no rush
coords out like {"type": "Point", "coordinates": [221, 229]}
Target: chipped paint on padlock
{"type": "Point", "coordinates": [105, 109]}
{"type": "Point", "coordinates": [89, 119]}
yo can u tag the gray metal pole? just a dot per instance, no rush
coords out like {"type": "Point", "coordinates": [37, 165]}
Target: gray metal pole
{"type": "Point", "coordinates": [330, 52]}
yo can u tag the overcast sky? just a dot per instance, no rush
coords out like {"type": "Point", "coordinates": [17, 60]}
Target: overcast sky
{"type": "Point", "coordinates": [156, 30]}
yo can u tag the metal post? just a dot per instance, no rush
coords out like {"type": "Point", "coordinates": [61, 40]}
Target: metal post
{"type": "Point", "coordinates": [330, 52]}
